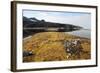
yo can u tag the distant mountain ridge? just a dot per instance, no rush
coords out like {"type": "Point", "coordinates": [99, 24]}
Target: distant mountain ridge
{"type": "Point", "coordinates": [33, 22]}
{"type": "Point", "coordinates": [32, 25]}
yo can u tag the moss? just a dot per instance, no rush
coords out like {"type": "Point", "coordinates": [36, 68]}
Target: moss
{"type": "Point", "coordinates": [48, 46]}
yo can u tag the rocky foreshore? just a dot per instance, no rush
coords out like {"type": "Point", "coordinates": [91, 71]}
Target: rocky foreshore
{"type": "Point", "coordinates": [55, 46]}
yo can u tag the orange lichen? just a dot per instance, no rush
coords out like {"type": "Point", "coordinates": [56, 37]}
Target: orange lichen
{"type": "Point", "coordinates": [48, 46]}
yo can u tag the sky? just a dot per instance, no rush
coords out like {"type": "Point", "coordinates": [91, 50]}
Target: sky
{"type": "Point", "coordinates": [75, 18]}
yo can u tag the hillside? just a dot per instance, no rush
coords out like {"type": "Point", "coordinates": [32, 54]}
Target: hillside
{"type": "Point", "coordinates": [49, 46]}
{"type": "Point", "coordinates": [33, 25]}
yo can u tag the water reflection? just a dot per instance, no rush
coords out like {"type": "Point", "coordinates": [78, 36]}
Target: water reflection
{"type": "Point", "coordinates": [82, 33]}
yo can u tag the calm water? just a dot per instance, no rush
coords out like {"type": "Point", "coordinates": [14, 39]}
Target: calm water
{"type": "Point", "coordinates": [82, 33]}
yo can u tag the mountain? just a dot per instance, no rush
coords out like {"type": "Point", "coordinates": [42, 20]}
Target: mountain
{"type": "Point", "coordinates": [33, 25]}
{"type": "Point", "coordinates": [34, 19]}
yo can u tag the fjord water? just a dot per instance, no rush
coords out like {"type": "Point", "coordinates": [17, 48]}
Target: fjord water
{"type": "Point", "coordinates": [86, 33]}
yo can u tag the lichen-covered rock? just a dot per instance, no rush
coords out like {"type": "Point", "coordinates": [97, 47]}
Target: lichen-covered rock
{"type": "Point", "coordinates": [49, 46]}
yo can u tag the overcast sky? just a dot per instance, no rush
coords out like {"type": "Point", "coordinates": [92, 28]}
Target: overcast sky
{"type": "Point", "coordinates": [75, 18]}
